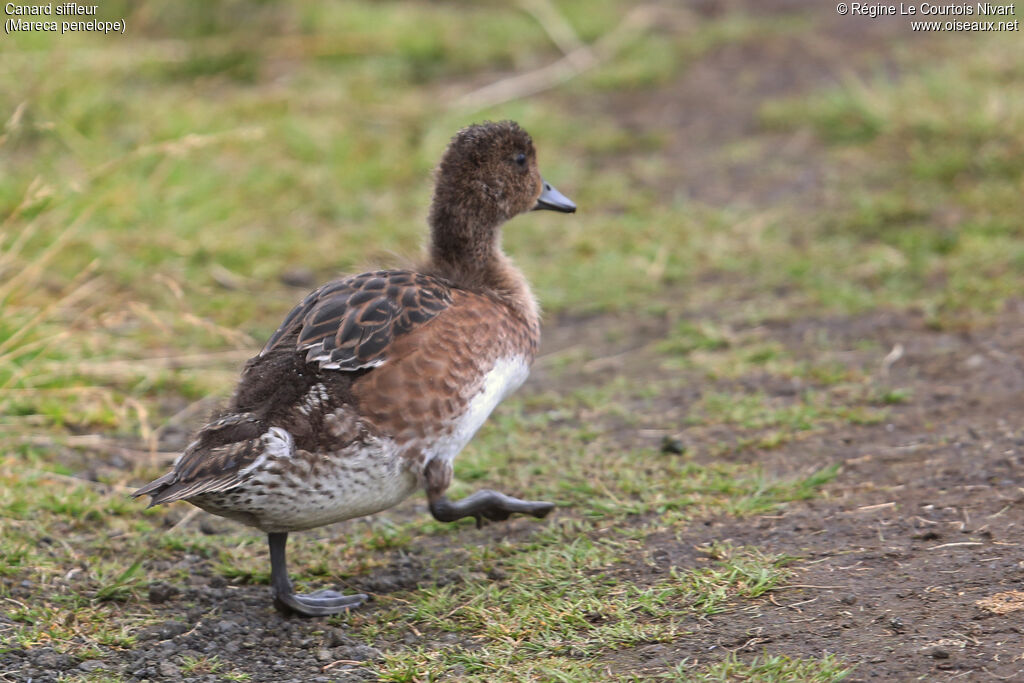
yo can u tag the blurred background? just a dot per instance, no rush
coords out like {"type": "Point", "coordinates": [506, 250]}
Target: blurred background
{"type": "Point", "coordinates": [168, 194]}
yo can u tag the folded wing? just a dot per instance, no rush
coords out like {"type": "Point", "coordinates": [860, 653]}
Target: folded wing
{"type": "Point", "coordinates": [349, 324]}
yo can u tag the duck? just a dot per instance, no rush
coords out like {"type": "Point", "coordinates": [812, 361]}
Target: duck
{"type": "Point", "coordinates": [375, 382]}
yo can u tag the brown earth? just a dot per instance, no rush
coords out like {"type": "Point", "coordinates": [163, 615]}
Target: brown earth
{"type": "Point", "coordinates": [920, 525]}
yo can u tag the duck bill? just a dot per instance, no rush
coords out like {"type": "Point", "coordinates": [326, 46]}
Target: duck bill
{"type": "Point", "coordinates": [553, 200]}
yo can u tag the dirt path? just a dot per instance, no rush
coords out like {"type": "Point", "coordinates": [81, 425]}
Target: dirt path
{"type": "Point", "coordinates": [922, 523]}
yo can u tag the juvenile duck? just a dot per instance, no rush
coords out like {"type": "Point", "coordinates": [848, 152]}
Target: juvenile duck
{"type": "Point", "coordinates": [374, 383]}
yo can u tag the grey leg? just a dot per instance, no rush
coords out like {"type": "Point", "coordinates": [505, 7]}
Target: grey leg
{"type": "Point", "coordinates": [486, 504]}
{"type": "Point", "coordinates": [319, 604]}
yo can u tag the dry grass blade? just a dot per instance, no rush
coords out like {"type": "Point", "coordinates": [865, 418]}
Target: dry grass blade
{"type": "Point", "coordinates": [76, 292]}
{"type": "Point", "coordinates": [95, 442]}
{"type": "Point", "coordinates": [638, 21]}
{"type": "Point", "coordinates": [147, 365]}
{"type": "Point", "coordinates": [555, 24]}
{"type": "Point", "coordinates": [31, 271]}
{"type": "Point", "coordinates": [14, 122]}
{"type": "Point", "coordinates": [1003, 603]}
{"type": "Point", "coordinates": [16, 347]}
{"type": "Point", "coordinates": [181, 146]}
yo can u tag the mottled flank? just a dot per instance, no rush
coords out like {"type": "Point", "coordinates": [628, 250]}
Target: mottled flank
{"type": "Point", "coordinates": [303, 490]}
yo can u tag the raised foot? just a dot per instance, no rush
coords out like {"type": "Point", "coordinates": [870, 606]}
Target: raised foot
{"type": "Point", "coordinates": [489, 505]}
{"type": "Point", "coordinates": [322, 603]}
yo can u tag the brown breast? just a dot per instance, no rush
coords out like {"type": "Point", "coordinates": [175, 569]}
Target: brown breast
{"type": "Point", "coordinates": [433, 372]}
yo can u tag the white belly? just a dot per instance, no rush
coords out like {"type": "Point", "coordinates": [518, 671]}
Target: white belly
{"type": "Point", "coordinates": [507, 375]}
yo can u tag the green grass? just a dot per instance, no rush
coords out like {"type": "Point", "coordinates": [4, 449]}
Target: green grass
{"type": "Point", "coordinates": [924, 196]}
{"type": "Point", "coordinates": [155, 188]}
{"type": "Point", "coordinates": [766, 669]}
{"type": "Point", "coordinates": [565, 606]}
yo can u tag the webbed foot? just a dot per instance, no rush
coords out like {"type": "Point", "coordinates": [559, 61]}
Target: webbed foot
{"type": "Point", "coordinates": [322, 603]}
{"type": "Point", "coordinates": [486, 504]}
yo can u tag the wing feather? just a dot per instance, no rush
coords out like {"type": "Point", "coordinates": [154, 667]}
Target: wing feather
{"type": "Point", "coordinates": [211, 465]}
{"type": "Point", "coordinates": [350, 324]}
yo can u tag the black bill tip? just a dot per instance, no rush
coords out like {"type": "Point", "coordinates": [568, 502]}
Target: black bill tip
{"type": "Point", "coordinates": [552, 200]}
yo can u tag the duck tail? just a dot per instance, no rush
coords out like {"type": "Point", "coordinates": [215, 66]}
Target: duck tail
{"type": "Point", "coordinates": [225, 451]}
{"type": "Point", "coordinates": [154, 487]}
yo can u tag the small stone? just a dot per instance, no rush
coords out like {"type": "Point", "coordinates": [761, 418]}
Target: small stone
{"type": "Point", "coordinates": [848, 599]}
{"type": "Point", "coordinates": [324, 656]}
{"type": "Point", "coordinates": [91, 665]}
{"type": "Point", "coordinates": [226, 626]}
{"type": "Point", "coordinates": [359, 653]}
{"type": "Point", "coordinates": [163, 631]}
{"type": "Point", "coordinates": [160, 592]}
{"type": "Point", "coordinates": [338, 637]}
{"type": "Point", "coordinates": [652, 651]}
{"type": "Point", "coordinates": [975, 361]}
{"type": "Point", "coordinates": [210, 527]}
{"type": "Point", "coordinates": [172, 517]}
{"type": "Point", "coordinates": [49, 660]}
{"type": "Point", "coordinates": [168, 669]}
{"type": "Point", "coordinates": [298, 277]}
{"type": "Point", "coordinates": [174, 438]}
{"type": "Point", "coordinates": [673, 445]}
{"type": "Point", "coordinates": [496, 574]}
{"type": "Point", "coordinates": [938, 652]}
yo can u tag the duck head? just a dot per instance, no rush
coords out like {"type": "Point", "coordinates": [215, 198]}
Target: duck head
{"type": "Point", "coordinates": [487, 175]}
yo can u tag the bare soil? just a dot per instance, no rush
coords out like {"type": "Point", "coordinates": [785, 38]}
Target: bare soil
{"type": "Point", "coordinates": [922, 523]}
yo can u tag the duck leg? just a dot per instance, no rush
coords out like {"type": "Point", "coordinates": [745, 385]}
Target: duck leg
{"type": "Point", "coordinates": [486, 504]}
{"type": "Point", "coordinates": [319, 604]}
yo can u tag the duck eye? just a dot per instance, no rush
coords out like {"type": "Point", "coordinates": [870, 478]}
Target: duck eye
{"type": "Point", "coordinates": [521, 159]}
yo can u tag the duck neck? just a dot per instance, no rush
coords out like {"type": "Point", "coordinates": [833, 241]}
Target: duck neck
{"type": "Point", "coordinates": [472, 258]}
{"type": "Point", "coordinates": [461, 245]}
